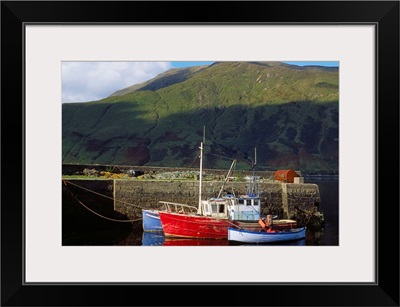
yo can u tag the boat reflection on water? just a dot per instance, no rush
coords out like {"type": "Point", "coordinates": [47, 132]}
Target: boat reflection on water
{"type": "Point", "coordinates": [195, 242]}
{"type": "Point", "coordinates": [158, 239]}
{"type": "Point", "coordinates": [300, 242]}
{"type": "Point", "coordinates": [152, 238]}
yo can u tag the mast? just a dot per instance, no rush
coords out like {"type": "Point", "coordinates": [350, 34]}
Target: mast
{"type": "Point", "coordinates": [200, 177]}
{"type": "Point", "coordinates": [253, 180]}
{"type": "Point", "coordinates": [199, 210]}
{"type": "Point", "coordinates": [255, 156]}
{"type": "Point", "coordinates": [254, 168]}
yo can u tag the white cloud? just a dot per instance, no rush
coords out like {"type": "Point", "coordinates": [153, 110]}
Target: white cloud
{"type": "Point", "coordinates": [88, 81]}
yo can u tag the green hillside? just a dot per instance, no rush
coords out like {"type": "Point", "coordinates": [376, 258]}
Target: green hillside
{"type": "Point", "coordinates": [289, 113]}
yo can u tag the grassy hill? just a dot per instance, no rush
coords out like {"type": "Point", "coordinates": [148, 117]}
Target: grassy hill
{"type": "Point", "coordinates": [289, 113]}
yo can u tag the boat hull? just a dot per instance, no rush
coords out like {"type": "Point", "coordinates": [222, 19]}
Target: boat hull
{"type": "Point", "coordinates": [194, 226]}
{"type": "Point", "coordinates": [151, 220]}
{"type": "Point", "coordinates": [250, 236]}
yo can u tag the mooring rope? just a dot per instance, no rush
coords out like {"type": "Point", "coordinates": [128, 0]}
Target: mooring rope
{"type": "Point", "coordinates": [120, 201]}
{"type": "Point", "coordinates": [309, 214]}
{"type": "Point", "coordinates": [82, 204]}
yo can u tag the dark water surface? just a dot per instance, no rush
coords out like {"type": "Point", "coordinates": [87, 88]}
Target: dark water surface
{"type": "Point", "coordinates": [108, 233]}
{"type": "Point", "coordinates": [329, 192]}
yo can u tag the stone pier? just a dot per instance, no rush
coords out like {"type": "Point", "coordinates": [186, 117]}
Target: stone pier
{"type": "Point", "coordinates": [129, 196]}
{"type": "Point", "coordinates": [276, 197]}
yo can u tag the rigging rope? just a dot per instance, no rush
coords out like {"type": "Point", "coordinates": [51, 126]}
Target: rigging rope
{"type": "Point", "coordinates": [228, 158]}
{"type": "Point", "coordinates": [102, 216]}
{"type": "Point", "coordinates": [195, 158]}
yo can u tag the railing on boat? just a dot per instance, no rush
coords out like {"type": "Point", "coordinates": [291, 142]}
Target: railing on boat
{"type": "Point", "coordinates": [178, 207]}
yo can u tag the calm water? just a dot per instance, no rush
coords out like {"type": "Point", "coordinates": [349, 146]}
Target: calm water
{"type": "Point", "coordinates": [125, 235]}
{"type": "Point", "coordinates": [329, 192]}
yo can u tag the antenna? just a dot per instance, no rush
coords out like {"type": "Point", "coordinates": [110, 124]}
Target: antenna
{"type": "Point", "coordinates": [204, 134]}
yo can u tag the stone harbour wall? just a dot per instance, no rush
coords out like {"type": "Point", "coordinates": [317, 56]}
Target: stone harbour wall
{"type": "Point", "coordinates": [128, 197]}
{"type": "Point", "coordinates": [276, 197]}
{"type": "Point", "coordinates": [302, 196]}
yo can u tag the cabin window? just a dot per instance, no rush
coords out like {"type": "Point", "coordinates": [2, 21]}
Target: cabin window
{"type": "Point", "coordinates": [218, 208]}
{"type": "Point", "coordinates": [242, 201]}
{"type": "Point", "coordinates": [206, 209]}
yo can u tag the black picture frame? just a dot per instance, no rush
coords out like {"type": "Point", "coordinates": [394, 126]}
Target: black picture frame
{"type": "Point", "coordinates": [383, 14]}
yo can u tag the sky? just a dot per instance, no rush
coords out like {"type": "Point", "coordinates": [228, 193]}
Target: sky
{"type": "Point", "coordinates": [90, 81]}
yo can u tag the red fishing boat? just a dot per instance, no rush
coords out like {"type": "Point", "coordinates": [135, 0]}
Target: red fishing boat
{"type": "Point", "coordinates": [215, 215]}
{"type": "Point", "coordinates": [194, 225]}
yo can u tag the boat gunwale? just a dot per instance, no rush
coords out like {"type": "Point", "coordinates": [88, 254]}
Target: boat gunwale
{"type": "Point", "coordinates": [276, 232]}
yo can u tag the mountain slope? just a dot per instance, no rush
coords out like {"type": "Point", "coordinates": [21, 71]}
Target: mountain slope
{"type": "Point", "coordinates": [290, 114]}
{"type": "Point", "coordinates": [165, 79]}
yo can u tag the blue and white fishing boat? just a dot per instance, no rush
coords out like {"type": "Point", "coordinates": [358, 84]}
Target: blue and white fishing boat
{"type": "Point", "coordinates": [263, 236]}
{"type": "Point", "coordinates": [151, 220]}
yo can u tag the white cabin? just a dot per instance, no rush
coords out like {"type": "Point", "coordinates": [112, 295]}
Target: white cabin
{"type": "Point", "coordinates": [242, 208]}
